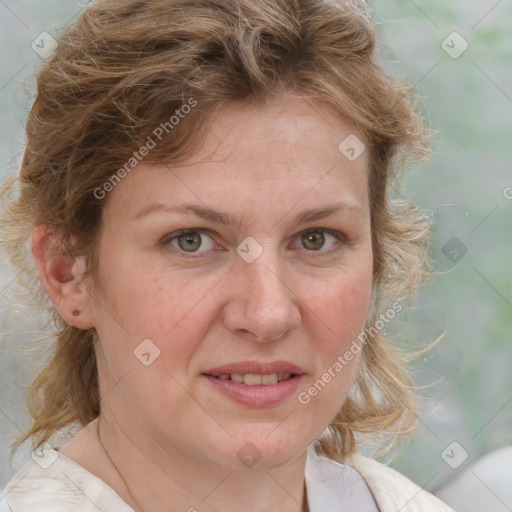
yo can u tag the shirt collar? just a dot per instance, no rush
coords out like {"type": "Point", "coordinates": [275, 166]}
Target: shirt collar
{"type": "Point", "coordinates": [335, 487]}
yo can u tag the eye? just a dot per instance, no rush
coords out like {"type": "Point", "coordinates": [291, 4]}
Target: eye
{"type": "Point", "coordinates": [315, 239]}
{"type": "Point", "coordinates": [192, 242]}
{"type": "Point", "coordinates": [189, 241]}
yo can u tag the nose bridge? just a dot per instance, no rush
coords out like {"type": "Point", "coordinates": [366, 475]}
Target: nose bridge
{"type": "Point", "coordinates": [266, 284]}
{"type": "Point", "coordinates": [266, 302]}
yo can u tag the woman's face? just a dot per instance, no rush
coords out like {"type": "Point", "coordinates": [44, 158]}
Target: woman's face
{"type": "Point", "coordinates": [249, 264]}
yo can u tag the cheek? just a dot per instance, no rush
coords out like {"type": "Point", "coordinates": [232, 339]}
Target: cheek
{"type": "Point", "coordinates": [340, 305]}
{"type": "Point", "coordinates": [147, 299]}
{"type": "Point", "coordinates": [340, 312]}
{"type": "Point", "coordinates": [170, 309]}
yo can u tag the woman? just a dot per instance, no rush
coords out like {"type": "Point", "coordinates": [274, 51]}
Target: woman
{"type": "Point", "coordinates": [206, 185]}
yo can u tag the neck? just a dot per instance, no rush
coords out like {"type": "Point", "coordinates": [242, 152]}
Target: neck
{"type": "Point", "coordinates": [149, 478]}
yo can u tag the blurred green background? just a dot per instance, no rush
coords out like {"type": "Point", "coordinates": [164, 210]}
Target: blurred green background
{"type": "Point", "coordinates": [466, 186]}
{"type": "Point", "coordinates": [468, 98]}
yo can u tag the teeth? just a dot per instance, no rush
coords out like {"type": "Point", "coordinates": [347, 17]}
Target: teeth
{"type": "Point", "coordinates": [251, 379]}
{"type": "Point", "coordinates": [254, 380]}
{"type": "Point", "coordinates": [268, 379]}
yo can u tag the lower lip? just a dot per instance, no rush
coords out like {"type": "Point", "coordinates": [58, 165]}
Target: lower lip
{"type": "Point", "coordinates": [257, 396]}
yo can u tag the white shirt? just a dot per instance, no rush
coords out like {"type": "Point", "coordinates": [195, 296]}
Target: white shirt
{"type": "Point", "coordinates": [51, 482]}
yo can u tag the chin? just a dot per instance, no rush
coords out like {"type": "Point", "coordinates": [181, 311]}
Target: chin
{"type": "Point", "coordinates": [265, 451]}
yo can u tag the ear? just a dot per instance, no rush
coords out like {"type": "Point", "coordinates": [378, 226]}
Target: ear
{"type": "Point", "coordinates": [61, 278]}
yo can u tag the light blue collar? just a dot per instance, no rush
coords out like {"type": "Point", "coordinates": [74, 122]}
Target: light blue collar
{"type": "Point", "coordinates": [334, 487]}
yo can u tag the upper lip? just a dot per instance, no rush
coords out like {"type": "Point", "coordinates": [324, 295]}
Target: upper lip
{"type": "Point", "coordinates": [256, 368]}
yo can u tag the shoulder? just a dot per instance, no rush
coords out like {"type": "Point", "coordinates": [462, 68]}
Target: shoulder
{"type": "Point", "coordinates": [52, 482]}
{"type": "Point", "coordinates": [392, 490]}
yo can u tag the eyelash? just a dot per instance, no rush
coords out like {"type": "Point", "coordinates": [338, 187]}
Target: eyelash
{"type": "Point", "coordinates": [166, 241]}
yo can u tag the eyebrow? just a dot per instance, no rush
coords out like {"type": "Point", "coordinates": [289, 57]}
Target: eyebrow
{"type": "Point", "coordinates": [230, 220]}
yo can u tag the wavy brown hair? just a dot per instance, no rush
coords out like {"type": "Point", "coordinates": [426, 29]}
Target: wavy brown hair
{"type": "Point", "coordinates": [123, 68]}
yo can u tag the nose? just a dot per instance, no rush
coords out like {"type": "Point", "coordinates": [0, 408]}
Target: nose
{"type": "Point", "coordinates": [262, 305]}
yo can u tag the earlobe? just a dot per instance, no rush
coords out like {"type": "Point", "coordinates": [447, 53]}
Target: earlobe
{"type": "Point", "coordinates": [60, 277]}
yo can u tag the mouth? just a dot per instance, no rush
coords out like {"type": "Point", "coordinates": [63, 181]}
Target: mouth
{"type": "Point", "coordinates": [256, 384]}
{"type": "Point", "coordinates": [254, 379]}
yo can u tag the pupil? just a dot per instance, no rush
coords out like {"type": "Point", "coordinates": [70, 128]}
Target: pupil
{"type": "Point", "coordinates": [316, 239]}
{"type": "Point", "coordinates": [191, 241]}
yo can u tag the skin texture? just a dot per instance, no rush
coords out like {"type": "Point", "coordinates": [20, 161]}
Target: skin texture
{"type": "Point", "coordinates": [171, 436]}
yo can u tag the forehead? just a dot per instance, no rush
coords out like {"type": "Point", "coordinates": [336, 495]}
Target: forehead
{"type": "Point", "coordinates": [287, 151]}
{"type": "Point", "coordinates": [293, 127]}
